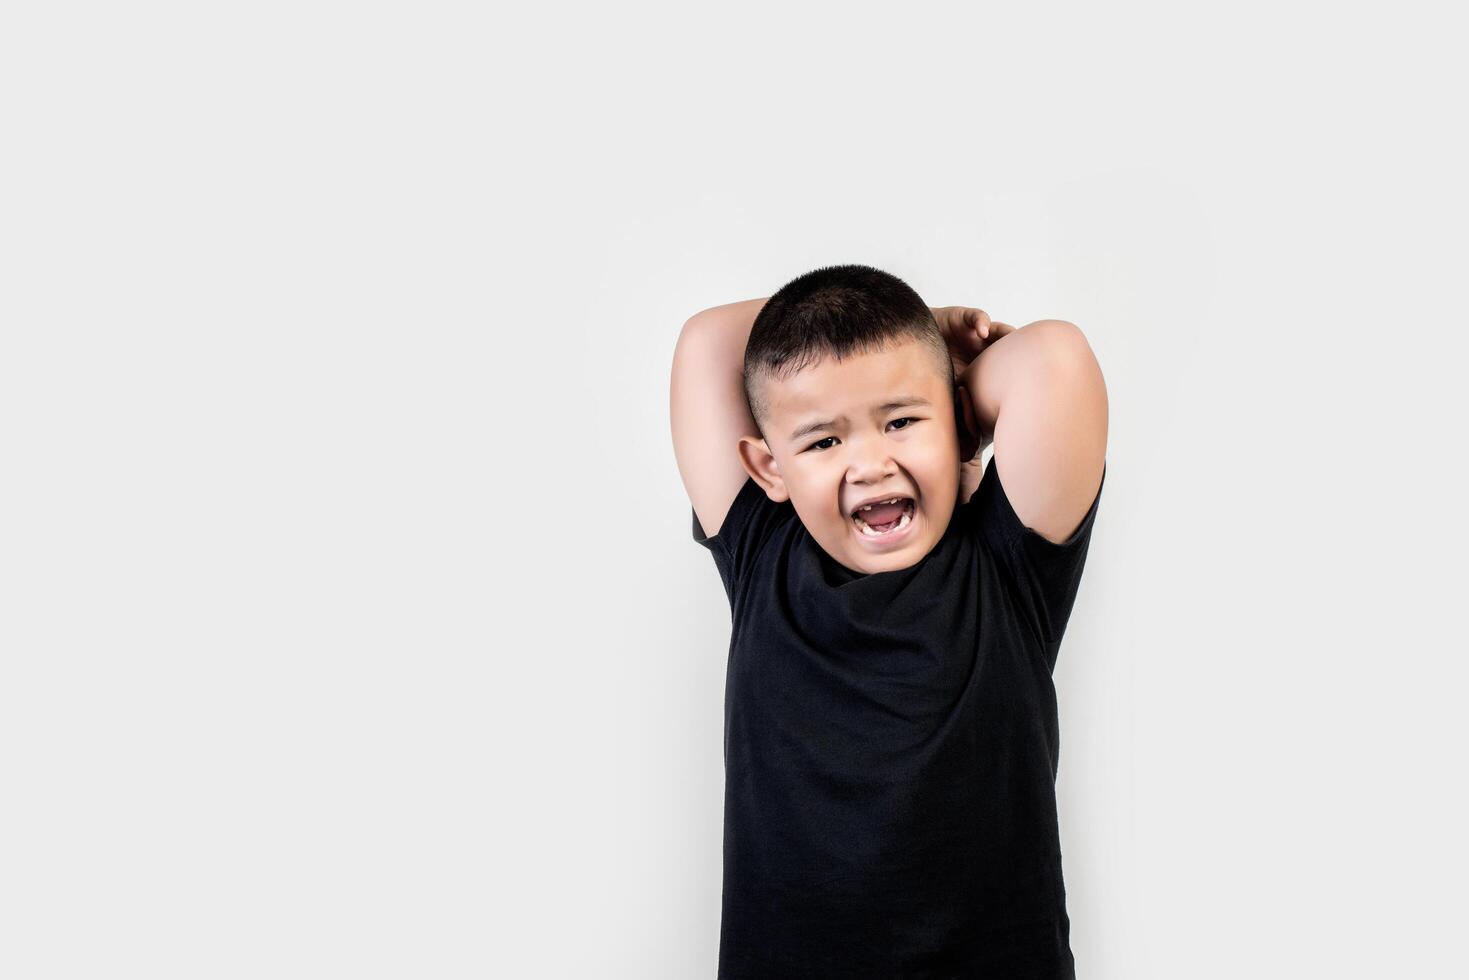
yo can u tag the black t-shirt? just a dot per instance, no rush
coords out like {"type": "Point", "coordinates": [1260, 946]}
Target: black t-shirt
{"type": "Point", "coordinates": [891, 750]}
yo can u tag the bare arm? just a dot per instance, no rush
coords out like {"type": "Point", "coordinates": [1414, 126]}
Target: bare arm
{"type": "Point", "coordinates": [707, 407]}
{"type": "Point", "coordinates": [1038, 393]}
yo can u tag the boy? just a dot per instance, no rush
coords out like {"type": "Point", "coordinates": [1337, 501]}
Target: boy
{"type": "Point", "coordinates": [891, 739]}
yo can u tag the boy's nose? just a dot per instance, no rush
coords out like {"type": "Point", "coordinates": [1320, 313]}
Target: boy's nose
{"type": "Point", "coordinates": [876, 468]}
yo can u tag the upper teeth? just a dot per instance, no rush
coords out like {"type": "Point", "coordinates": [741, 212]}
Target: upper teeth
{"type": "Point", "coordinates": [876, 502]}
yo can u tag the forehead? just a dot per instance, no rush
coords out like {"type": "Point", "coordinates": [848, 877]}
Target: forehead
{"type": "Point", "coordinates": [855, 385]}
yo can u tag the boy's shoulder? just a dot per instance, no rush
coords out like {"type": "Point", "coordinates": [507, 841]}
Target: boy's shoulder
{"type": "Point", "coordinates": [1012, 563]}
{"type": "Point", "coordinates": [752, 520]}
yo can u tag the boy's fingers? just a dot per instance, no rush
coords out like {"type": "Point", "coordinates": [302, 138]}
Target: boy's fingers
{"type": "Point", "coordinates": [977, 321]}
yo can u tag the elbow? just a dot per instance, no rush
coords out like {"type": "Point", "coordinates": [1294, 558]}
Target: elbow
{"type": "Point", "coordinates": [693, 323]}
{"type": "Point", "coordinates": [1062, 345]}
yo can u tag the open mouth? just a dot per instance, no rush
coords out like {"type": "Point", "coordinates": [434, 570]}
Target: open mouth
{"type": "Point", "coordinates": [882, 519]}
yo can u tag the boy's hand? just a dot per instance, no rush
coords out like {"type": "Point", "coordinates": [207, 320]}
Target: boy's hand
{"type": "Point", "coordinates": [967, 331]}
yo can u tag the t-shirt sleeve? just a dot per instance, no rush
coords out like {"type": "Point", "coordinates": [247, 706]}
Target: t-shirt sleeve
{"type": "Point", "coordinates": [751, 519]}
{"type": "Point", "coordinates": [1046, 575]}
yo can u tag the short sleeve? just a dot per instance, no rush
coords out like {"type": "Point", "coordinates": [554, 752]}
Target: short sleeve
{"type": "Point", "coordinates": [1046, 575]}
{"type": "Point", "coordinates": [751, 520]}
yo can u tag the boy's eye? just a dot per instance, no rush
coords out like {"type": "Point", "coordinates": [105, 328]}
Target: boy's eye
{"type": "Point", "coordinates": [817, 445]}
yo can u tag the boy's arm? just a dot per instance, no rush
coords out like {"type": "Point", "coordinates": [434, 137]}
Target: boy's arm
{"type": "Point", "coordinates": [707, 408]}
{"type": "Point", "coordinates": [1039, 394]}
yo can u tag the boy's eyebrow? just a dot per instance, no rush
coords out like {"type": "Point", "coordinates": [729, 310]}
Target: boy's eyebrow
{"type": "Point", "coordinates": [902, 401]}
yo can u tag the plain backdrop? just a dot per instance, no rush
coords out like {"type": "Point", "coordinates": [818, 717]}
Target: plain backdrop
{"type": "Point", "coordinates": [352, 624]}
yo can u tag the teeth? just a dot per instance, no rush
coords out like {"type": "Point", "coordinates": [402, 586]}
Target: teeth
{"type": "Point", "coordinates": [876, 502]}
{"type": "Point", "coordinates": [902, 523]}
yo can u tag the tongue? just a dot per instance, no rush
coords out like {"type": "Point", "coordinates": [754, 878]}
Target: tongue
{"type": "Point", "coordinates": [883, 513]}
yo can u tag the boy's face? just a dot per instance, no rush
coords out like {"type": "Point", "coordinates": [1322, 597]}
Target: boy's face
{"type": "Point", "coordinates": [870, 446]}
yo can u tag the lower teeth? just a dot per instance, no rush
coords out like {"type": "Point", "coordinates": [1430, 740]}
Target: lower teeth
{"type": "Point", "coordinates": [868, 530]}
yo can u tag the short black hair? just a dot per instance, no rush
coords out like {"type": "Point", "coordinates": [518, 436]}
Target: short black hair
{"type": "Point", "coordinates": [835, 311]}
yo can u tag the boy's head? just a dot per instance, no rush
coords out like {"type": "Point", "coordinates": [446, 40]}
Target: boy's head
{"type": "Point", "coordinates": [851, 384]}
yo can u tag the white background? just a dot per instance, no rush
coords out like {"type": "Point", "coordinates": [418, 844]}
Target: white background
{"type": "Point", "coordinates": [352, 625]}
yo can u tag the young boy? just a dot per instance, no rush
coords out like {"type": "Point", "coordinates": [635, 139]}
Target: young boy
{"type": "Point", "coordinates": [891, 740]}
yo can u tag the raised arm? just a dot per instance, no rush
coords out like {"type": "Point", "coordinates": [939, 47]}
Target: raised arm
{"type": "Point", "coordinates": [1038, 392]}
{"type": "Point", "coordinates": [707, 407]}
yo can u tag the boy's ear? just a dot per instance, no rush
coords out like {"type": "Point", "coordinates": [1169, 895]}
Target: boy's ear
{"type": "Point", "coordinates": [967, 424]}
{"type": "Point", "coordinates": [761, 465]}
